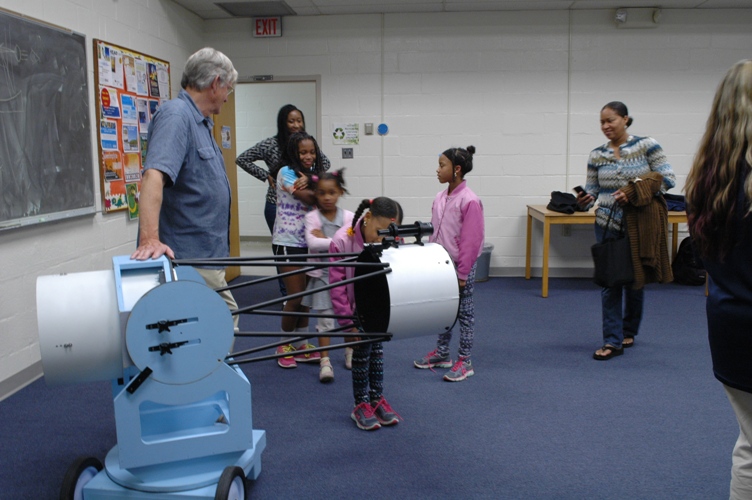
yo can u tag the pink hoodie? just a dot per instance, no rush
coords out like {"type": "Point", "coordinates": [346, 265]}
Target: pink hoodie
{"type": "Point", "coordinates": [458, 226]}
{"type": "Point", "coordinates": [343, 297]}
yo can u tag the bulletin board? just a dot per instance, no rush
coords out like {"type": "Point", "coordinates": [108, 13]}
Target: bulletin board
{"type": "Point", "coordinates": [46, 168]}
{"type": "Point", "coordinates": [130, 87]}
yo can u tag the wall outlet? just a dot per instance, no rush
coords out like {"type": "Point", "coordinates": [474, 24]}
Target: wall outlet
{"type": "Point", "coordinates": [347, 153]}
{"type": "Point", "coordinates": [566, 230]}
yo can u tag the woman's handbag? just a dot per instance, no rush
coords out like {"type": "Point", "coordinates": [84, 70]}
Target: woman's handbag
{"type": "Point", "coordinates": [613, 259]}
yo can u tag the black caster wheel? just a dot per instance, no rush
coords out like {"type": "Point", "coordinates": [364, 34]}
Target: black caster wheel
{"type": "Point", "coordinates": [79, 473]}
{"type": "Point", "coordinates": [231, 485]}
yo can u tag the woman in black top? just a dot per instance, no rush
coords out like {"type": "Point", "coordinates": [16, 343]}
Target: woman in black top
{"type": "Point", "coordinates": [719, 201]}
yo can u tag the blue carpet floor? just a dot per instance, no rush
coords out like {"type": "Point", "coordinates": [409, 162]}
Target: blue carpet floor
{"type": "Point", "coordinates": [540, 419]}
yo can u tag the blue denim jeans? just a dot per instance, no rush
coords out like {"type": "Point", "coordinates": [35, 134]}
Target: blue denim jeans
{"type": "Point", "coordinates": [619, 320]}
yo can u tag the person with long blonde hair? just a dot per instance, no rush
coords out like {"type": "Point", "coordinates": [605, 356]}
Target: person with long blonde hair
{"type": "Point", "coordinates": [719, 201]}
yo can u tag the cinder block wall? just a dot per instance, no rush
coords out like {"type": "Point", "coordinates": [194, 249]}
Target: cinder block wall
{"type": "Point", "coordinates": [525, 88]}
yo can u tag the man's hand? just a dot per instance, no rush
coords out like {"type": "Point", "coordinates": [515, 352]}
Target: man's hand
{"type": "Point", "coordinates": [152, 249]}
{"type": "Point", "coordinates": [150, 204]}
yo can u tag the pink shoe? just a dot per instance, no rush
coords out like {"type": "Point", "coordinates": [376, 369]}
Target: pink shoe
{"type": "Point", "coordinates": [308, 357]}
{"type": "Point", "coordinates": [287, 361]}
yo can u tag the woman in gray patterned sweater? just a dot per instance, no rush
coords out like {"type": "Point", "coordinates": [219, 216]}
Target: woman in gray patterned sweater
{"type": "Point", "coordinates": [289, 120]}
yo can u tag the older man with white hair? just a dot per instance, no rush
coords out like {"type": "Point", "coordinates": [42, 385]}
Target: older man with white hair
{"type": "Point", "coordinates": [184, 206]}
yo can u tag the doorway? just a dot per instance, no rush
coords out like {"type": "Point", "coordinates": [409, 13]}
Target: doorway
{"type": "Point", "coordinates": [256, 108]}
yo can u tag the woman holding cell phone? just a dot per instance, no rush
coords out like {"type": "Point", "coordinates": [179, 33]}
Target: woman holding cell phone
{"type": "Point", "coordinates": [613, 171]}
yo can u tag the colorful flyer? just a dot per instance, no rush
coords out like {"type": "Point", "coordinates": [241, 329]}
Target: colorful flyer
{"type": "Point", "coordinates": [153, 106]}
{"type": "Point", "coordinates": [132, 167]}
{"type": "Point", "coordinates": [130, 138]}
{"type": "Point", "coordinates": [142, 78]}
{"type": "Point", "coordinates": [110, 104]}
{"type": "Point", "coordinates": [144, 117]}
{"type": "Point", "coordinates": [105, 72]}
{"type": "Point", "coordinates": [114, 196]}
{"type": "Point", "coordinates": [163, 79]}
{"type": "Point", "coordinates": [108, 132]}
{"type": "Point", "coordinates": [153, 79]}
{"type": "Point", "coordinates": [129, 68]}
{"type": "Point", "coordinates": [131, 191]}
{"type": "Point", "coordinates": [116, 65]}
{"type": "Point", "coordinates": [113, 168]}
{"type": "Point", "coordinates": [144, 144]}
{"type": "Point", "coordinates": [128, 102]}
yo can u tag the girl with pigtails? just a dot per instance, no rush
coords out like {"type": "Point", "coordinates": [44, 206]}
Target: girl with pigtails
{"type": "Point", "coordinates": [371, 409]}
{"type": "Point", "coordinates": [320, 225]}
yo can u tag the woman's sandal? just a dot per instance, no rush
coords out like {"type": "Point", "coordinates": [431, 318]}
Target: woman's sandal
{"type": "Point", "coordinates": [613, 352]}
{"type": "Point", "coordinates": [628, 341]}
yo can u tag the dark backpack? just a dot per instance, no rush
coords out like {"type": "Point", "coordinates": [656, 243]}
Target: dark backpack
{"type": "Point", "coordinates": [687, 269]}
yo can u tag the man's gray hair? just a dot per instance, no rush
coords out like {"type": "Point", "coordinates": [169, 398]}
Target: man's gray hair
{"type": "Point", "coordinates": [204, 66]}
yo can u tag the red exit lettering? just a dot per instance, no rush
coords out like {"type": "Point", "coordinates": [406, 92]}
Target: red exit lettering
{"type": "Point", "coordinates": [268, 26]}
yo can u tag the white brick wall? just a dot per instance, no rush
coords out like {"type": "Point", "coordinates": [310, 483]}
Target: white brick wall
{"type": "Point", "coordinates": [520, 86]}
{"type": "Point", "coordinates": [505, 83]}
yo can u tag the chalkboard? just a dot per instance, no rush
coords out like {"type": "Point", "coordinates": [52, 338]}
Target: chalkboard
{"type": "Point", "coordinates": [46, 170]}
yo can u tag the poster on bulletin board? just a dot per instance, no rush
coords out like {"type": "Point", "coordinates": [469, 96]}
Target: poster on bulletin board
{"type": "Point", "coordinates": [130, 87]}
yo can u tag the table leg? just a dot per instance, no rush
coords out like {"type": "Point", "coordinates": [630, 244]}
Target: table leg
{"type": "Point", "coordinates": [546, 242]}
{"type": "Point", "coordinates": [529, 247]}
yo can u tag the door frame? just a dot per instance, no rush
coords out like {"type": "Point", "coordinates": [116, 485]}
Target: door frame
{"type": "Point", "coordinates": [227, 118]}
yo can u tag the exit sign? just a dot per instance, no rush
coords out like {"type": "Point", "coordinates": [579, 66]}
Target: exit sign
{"type": "Point", "coordinates": [267, 26]}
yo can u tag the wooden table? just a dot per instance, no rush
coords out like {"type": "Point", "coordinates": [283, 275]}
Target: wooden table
{"type": "Point", "coordinates": [549, 218]}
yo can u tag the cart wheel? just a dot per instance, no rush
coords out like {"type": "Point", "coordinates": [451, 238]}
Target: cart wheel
{"type": "Point", "coordinates": [231, 485]}
{"type": "Point", "coordinates": [79, 473]}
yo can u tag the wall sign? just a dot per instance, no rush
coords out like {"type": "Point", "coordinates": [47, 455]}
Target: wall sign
{"type": "Point", "coordinates": [267, 26]}
{"type": "Point", "coordinates": [345, 133]}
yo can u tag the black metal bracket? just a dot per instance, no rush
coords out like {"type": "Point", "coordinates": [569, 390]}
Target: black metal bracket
{"type": "Point", "coordinates": [140, 379]}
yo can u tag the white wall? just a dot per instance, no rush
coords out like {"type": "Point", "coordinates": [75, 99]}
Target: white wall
{"type": "Point", "coordinates": [524, 87]}
{"type": "Point", "coordinates": [156, 27]}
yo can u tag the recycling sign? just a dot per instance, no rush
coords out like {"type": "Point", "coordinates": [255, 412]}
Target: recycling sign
{"type": "Point", "coordinates": [345, 133]}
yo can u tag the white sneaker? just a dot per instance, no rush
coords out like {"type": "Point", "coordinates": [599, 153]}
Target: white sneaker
{"type": "Point", "coordinates": [348, 357]}
{"type": "Point", "coordinates": [326, 372]}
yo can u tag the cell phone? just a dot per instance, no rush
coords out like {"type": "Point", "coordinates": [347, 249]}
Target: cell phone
{"type": "Point", "coordinates": [579, 190]}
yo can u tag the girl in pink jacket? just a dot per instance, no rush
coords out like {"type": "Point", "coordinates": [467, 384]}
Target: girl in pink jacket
{"type": "Point", "coordinates": [457, 218]}
{"type": "Point", "coordinates": [371, 410]}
